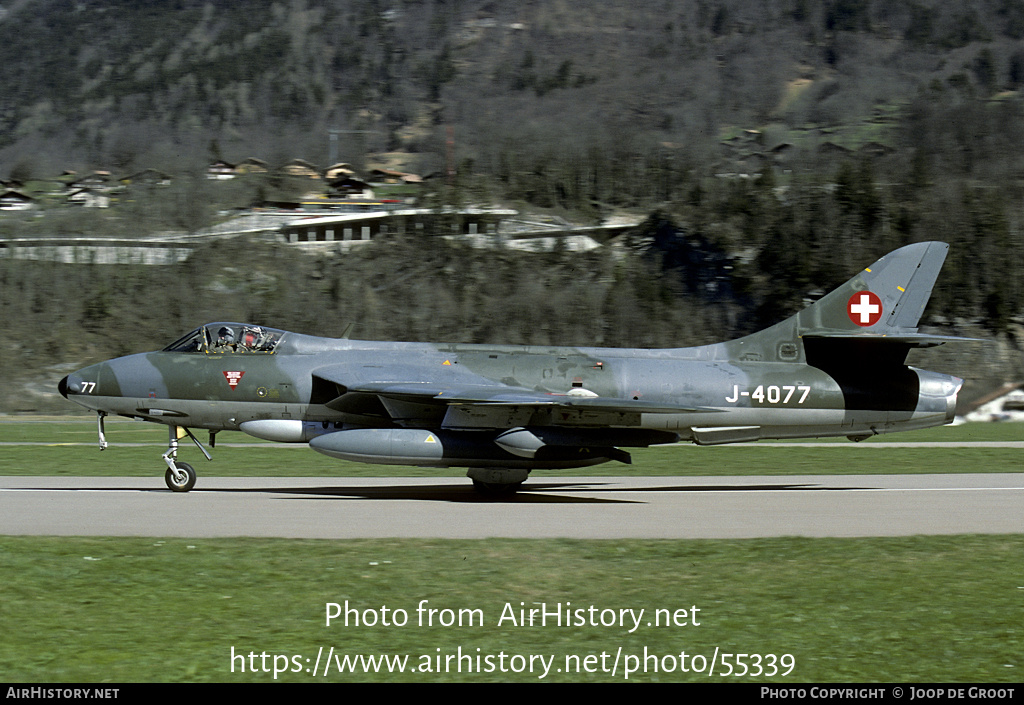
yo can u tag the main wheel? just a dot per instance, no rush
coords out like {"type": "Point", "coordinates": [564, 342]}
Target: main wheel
{"type": "Point", "coordinates": [183, 480]}
{"type": "Point", "coordinates": [493, 489]}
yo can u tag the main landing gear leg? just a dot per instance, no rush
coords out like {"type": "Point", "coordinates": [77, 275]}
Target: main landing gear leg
{"type": "Point", "coordinates": [180, 476]}
{"type": "Point", "coordinates": [497, 482]}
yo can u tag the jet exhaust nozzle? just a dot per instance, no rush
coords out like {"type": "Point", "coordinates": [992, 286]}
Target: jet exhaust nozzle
{"type": "Point", "coordinates": [938, 393]}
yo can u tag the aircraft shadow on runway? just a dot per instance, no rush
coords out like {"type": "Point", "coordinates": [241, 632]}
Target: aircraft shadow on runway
{"type": "Point", "coordinates": [539, 493]}
{"type": "Point", "coordinates": [533, 493]}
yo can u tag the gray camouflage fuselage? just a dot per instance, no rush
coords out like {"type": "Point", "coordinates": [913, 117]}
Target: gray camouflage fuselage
{"type": "Point", "coordinates": [836, 368]}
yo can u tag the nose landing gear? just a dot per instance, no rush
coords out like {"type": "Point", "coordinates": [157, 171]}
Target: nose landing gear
{"type": "Point", "coordinates": [180, 476]}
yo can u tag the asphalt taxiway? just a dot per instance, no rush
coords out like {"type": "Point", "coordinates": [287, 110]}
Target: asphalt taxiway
{"type": "Point", "coordinates": [547, 507]}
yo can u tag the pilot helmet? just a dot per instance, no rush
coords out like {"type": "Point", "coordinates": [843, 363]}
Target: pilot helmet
{"type": "Point", "coordinates": [226, 335]}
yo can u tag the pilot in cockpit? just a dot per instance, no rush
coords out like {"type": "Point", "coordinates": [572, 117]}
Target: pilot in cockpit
{"type": "Point", "coordinates": [225, 340]}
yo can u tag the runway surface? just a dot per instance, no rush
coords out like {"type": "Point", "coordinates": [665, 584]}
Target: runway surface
{"type": "Point", "coordinates": [547, 507]}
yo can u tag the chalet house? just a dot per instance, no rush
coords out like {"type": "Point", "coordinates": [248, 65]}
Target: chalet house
{"type": "Point", "coordinates": [782, 152]}
{"type": "Point", "coordinates": [252, 166]}
{"type": "Point", "coordinates": [146, 177]}
{"type": "Point", "coordinates": [755, 136]}
{"type": "Point", "coordinates": [97, 180]}
{"type": "Point", "coordinates": [89, 198]}
{"type": "Point", "coordinates": [1003, 404]}
{"type": "Point", "coordinates": [339, 171]}
{"type": "Point", "coordinates": [350, 186]}
{"type": "Point", "coordinates": [221, 170]}
{"type": "Point", "coordinates": [12, 200]}
{"type": "Point", "coordinates": [301, 169]}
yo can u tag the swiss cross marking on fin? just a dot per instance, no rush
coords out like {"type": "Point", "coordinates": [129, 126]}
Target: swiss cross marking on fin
{"type": "Point", "coordinates": [864, 308]}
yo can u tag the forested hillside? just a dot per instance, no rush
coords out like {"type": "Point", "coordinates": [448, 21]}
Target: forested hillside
{"type": "Point", "coordinates": [801, 138]}
{"type": "Point", "coordinates": [559, 101]}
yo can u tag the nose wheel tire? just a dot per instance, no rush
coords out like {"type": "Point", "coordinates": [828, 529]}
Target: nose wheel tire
{"type": "Point", "coordinates": [183, 480]}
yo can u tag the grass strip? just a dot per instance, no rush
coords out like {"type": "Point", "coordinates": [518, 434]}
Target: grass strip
{"type": "Point", "coordinates": [69, 448]}
{"type": "Point", "coordinates": [914, 609]}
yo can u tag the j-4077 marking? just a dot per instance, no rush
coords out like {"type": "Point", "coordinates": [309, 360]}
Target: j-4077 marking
{"type": "Point", "coordinates": [772, 394]}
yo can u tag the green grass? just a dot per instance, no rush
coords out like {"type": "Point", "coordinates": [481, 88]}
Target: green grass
{"type": "Point", "coordinates": [919, 609]}
{"type": "Point", "coordinates": [299, 461]}
{"type": "Point", "coordinates": [915, 609]}
{"type": "Point", "coordinates": [82, 456]}
{"type": "Point", "coordinates": [82, 429]}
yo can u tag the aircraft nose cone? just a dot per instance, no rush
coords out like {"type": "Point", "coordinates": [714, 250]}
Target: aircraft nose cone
{"type": "Point", "coordinates": [72, 384]}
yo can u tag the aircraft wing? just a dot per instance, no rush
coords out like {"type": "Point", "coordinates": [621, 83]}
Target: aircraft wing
{"type": "Point", "coordinates": [485, 393]}
{"type": "Point", "coordinates": [502, 395]}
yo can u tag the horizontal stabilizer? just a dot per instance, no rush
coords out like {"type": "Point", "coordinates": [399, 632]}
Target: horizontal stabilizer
{"type": "Point", "coordinates": [914, 340]}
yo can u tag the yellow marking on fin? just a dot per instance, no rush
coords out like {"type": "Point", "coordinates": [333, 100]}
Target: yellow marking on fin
{"type": "Point", "coordinates": [867, 269]}
{"type": "Point", "coordinates": [430, 439]}
{"type": "Point", "coordinates": [901, 288]}
{"type": "Point", "coordinates": [447, 362]}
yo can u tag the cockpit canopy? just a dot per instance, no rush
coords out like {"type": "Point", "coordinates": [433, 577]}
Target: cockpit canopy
{"type": "Point", "coordinates": [228, 338]}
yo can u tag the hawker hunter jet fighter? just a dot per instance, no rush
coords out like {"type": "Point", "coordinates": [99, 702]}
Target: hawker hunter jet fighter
{"type": "Point", "coordinates": [834, 369]}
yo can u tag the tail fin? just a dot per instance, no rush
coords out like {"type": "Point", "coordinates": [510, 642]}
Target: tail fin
{"type": "Point", "coordinates": [882, 303]}
{"type": "Point", "coordinates": [885, 300]}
